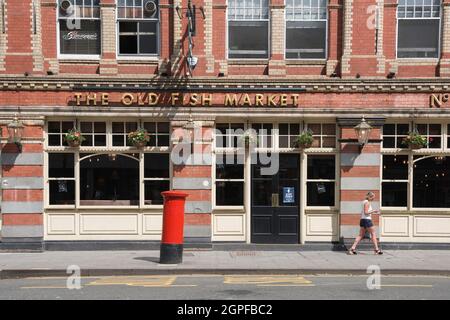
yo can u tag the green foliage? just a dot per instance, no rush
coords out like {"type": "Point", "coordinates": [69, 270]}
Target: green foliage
{"type": "Point", "coordinates": [74, 135]}
{"type": "Point", "coordinates": [304, 140]}
{"type": "Point", "coordinates": [138, 137]}
{"type": "Point", "coordinates": [415, 139]}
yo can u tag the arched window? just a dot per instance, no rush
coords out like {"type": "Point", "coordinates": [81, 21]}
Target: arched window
{"type": "Point", "coordinates": [419, 27]}
{"type": "Point", "coordinates": [306, 29]}
{"type": "Point", "coordinates": [431, 182]}
{"type": "Point", "coordinates": [248, 29]}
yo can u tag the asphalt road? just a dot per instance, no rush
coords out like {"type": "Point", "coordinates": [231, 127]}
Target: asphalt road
{"type": "Point", "coordinates": [244, 287]}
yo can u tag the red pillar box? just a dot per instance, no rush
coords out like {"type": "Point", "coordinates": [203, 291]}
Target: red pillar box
{"type": "Point", "coordinates": [173, 227]}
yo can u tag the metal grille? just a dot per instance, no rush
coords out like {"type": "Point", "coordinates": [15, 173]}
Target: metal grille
{"type": "Point", "coordinates": [306, 10]}
{"type": "Point", "coordinates": [419, 9]}
{"type": "Point", "coordinates": [248, 9]}
{"type": "Point", "coordinates": [134, 9]}
{"type": "Point", "coordinates": [80, 9]}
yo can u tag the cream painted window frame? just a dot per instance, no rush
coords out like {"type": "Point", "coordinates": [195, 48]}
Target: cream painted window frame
{"type": "Point", "coordinates": [336, 179]}
{"type": "Point", "coordinates": [109, 149]}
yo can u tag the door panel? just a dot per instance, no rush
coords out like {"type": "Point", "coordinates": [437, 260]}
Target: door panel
{"type": "Point", "coordinates": [275, 203]}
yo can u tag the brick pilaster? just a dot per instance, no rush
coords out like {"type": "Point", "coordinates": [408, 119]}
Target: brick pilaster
{"type": "Point", "coordinates": [277, 63]}
{"type": "Point", "coordinates": [363, 45]}
{"type": "Point", "coordinates": [48, 36]}
{"type": "Point", "coordinates": [3, 34]}
{"type": "Point", "coordinates": [444, 67]}
{"type": "Point", "coordinates": [36, 37]}
{"type": "Point", "coordinates": [177, 55]}
{"type": "Point", "coordinates": [194, 177]}
{"type": "Point", "coordinates": [19, 54]}
{"type": "Point", "coordinates": [360, 173]}
{"type": "Point", "coordinates": [108, 61]}
{"type": "Point", "coordinates": [22, 188]}
{"type": "Point", "coordinates": [335, 18]}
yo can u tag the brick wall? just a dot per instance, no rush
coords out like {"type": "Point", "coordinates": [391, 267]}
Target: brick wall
{"type": "Point", "coordinates": [28, 43]}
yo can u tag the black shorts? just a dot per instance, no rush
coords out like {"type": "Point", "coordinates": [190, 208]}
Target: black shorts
{"type": "Point", "coordinates": [365, 223]}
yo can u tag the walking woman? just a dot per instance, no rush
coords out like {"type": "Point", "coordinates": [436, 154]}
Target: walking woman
{"type": "Point", "coordinates": [366, 224]}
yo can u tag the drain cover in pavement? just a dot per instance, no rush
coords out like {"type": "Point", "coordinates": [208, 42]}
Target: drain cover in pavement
{"type": "Point", "coordinates": [235, 254]}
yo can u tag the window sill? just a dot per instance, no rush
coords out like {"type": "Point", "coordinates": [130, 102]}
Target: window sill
{"type": "Point", "coordinates": [239, 209]}
{"type": "Point", "coordinates": [248, 62]}
{"type": "Point", "coordinates": [301, 62]}
{"type": "Point", "coordinates": [137, 60]}
{"type": "Point", "coordinates": [414, 61]}
{"type": "Point", "coordinates": [79, 59]}
{"type": "Point", "coordinates": [324, 210]}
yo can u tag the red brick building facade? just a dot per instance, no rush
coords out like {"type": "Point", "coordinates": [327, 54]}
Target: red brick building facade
{"type": "Point", "coordinates": [109, 67]}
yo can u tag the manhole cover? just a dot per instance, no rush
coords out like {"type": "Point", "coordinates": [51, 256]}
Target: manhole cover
{"type": "Point", "coordinates": [235, 254]}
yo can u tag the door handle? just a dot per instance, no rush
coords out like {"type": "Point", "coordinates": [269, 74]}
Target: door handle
{"type": "Point", "coordinates": [275, 200]}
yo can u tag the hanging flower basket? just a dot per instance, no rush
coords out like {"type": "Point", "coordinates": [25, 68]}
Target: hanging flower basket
{"type": "Point", "coordinates": [139, 138]}
{"type": "Point", "coordinates": [415, 141]}
{"type": "Point", "coordinates": [247, 138]}
{"type": "Point", "coordinates": [304, 140]}
{"type": "Point", "coordinates": [74, 138]}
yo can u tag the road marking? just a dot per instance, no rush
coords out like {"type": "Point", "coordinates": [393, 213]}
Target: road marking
{"type": "Point", "coordinates": [263, 280]}
{"type": "Point", "coordinates": [135, 281]}
{"type": "Point", "coordinates": [55, 287]}
{"type": "Point", "coordinates": [286, 285]}
{"type": "Point", "coordinates": [408, 285]}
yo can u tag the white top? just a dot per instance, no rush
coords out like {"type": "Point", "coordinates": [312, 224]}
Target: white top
{"type": "Point", "coordinates": [363, 215]}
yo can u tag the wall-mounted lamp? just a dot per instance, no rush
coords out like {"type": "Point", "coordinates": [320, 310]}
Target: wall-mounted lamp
{"type": "Point", "coordinates": [363, 130]}
{"type": "Point", "coordinates": [15, 131]}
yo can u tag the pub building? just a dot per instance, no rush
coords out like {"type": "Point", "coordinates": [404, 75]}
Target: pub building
{"type": "Point", "coordinates": [212, 70]}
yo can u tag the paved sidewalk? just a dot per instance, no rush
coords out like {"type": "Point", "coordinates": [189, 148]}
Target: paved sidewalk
{"type": "Point", "coordinates": [95, 263]}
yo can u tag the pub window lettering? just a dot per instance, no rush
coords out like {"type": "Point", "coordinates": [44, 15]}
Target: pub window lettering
{"type": "Point", "coordinates": [138, 23]}
{"type": "Point", "coordinates": [79, 27]}
{"type": "Point", "coordinates": [248, 29]}
{"type": "Point", "coordinates": [306, 29]}
{"type": "Point", "coordinates": [419, 26]}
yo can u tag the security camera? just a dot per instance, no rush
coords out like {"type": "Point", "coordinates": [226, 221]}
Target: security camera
{"type": "Point", "coordinates": [66, 6]}
{"type": "Point", "coordinates": [150, 7]}
{"type": "Point", "coordinates": [192, 62]}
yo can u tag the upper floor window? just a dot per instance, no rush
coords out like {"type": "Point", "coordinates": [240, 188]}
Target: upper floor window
{"type": "Point", "coordinates": [419, 24]}
{"type": "Point", "coordinates": [306, 29]}
{"type": "Point", "coordinates": [138, 22]}
{"type": "Point", "coordinates": [79, 27]}
{"type": "Point", "coordinates": [248, 29]}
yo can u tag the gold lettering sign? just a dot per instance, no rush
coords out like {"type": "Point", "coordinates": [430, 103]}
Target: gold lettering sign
{"type": "Point", "coordinates": [178, 99]}
{"type": "Point", "coordinates": [438, 100]}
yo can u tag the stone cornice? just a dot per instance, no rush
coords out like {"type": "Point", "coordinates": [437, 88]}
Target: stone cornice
{"type": "Point", "coordinates": [272, 85]}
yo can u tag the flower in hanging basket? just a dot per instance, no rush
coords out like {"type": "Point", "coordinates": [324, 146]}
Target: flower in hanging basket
{"type": "Point", "coordinates": [248, 137]}
{"type": "Point", "coordinates": [74, 138]}
{"type": "Point", "coordinates": [139, 138]}
{"type": "Point", "coordinates": [304, 140]}
{"type": "Point", "coordinates": [415, 140]}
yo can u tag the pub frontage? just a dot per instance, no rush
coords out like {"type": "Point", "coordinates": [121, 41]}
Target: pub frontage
{"type": "Point", "coordinates": [270, 190]}
{"type": "Point", "coordinates": [275, 116]}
